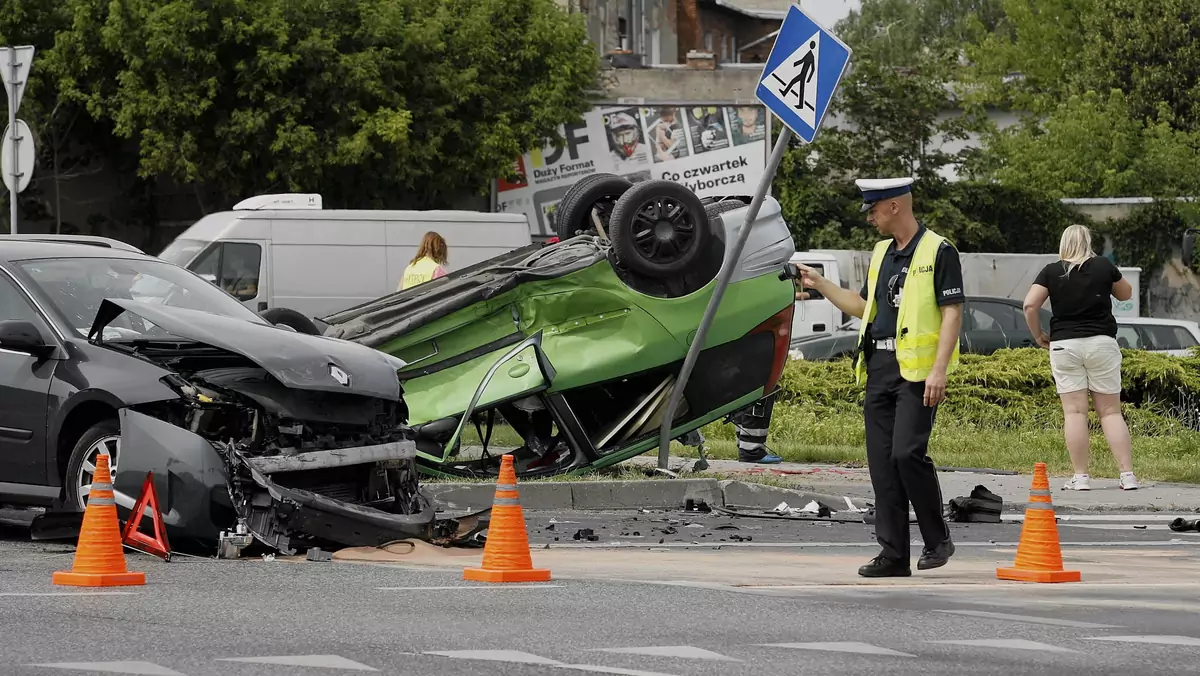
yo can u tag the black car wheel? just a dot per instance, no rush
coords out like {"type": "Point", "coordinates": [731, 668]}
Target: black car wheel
{"type": "Point", "coordinates": [292, 318]}
{"type": "Point", "coordinates": [659, 228]}
{"type": "Point", "coordinates": [599, 192]}
{"type": "Point", "coordinates": [102, 438]}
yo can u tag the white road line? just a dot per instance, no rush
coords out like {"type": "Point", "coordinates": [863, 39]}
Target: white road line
{"type": "Point", "coordinates": [495, 656]}
{"type": "Point", "coordinates": [456, 587]}
{"type": "Point", "coordinates": [326, 661]}
{"type": "Point", "coordinates": [1165, 640]}
{"type": "Point", "coordinates": [684, 651]}
{"type": "Point", "coordinates": [1009, 643]}
{"type": "Point", "coordinates": [840, 647]}
{"type": "Point", "coordinates": [1029, 618]}
{"type": "Point", "coordinates": [122, 593]}
{"type": "Point", "coordinates": [610, 670]}
{"type": "Point", "coordinates": [139, 668]}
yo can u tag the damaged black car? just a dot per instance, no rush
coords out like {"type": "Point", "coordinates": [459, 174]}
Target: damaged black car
{"type": "Point", "coordinates": [254, 433]}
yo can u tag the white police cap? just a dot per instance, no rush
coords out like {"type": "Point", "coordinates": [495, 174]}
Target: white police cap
{"type": "Point", "coordinates": [876, 189]}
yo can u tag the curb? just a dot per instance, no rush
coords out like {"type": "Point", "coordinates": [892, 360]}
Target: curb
{"type": "Point", "coordinates": [638, 494]}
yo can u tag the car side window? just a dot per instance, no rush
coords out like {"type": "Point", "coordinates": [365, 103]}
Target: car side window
{"type": "Point", "coordinates": [14, 305]}
{"type": "Point", "coordinates": [233, 266]}
{"type": "Point", "coordinates": [1128, 338]}
{"type": "Point", "coordinates": [1163, 337]}
{"type": "Point", "coordinates": [1007, 318]}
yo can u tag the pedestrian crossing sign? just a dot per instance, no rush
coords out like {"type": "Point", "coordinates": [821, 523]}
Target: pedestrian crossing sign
{"type": "Point", "coordinates": [802, 73]}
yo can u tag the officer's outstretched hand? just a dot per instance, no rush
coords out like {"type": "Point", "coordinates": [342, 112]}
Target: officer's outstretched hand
{"type": "Point", "coordinates": [809, 278]}
{"type": "Point", "coordinates": [935, 388]}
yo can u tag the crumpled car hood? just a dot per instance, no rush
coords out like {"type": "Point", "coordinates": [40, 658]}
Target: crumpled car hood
{"type": "Point", "coordinates": [298, 360]}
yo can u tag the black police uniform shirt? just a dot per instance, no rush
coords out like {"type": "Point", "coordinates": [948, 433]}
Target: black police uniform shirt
{"type": "Point", "coordinates": [1080, 303]}
{"type": "Point", "coordinates": [947, 279]}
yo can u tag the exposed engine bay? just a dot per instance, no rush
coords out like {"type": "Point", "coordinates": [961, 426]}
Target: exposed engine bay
{"type": "Point", "coordinates": [302, 465]}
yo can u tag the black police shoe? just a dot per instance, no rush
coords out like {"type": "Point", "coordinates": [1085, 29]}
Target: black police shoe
{"type": "Point", "coordinates": [936, 557]}
{"type": "Point", "coordinates": [884, 567]}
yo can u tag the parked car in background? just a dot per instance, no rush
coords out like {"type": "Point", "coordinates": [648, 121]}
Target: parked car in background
{"type": "Point", "coordinates": [1171, 336]}
{"type": "Point", "coordinates": [989, 324]}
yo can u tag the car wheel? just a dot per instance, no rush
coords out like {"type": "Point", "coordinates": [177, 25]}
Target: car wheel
{"type": "Point", "coordinates": [659, 228]}
{"type": "Point", "coordinates": [714, 209]}
{"type": "Point", "coordinates": [102, 438]}
{"type": "Point", "coordinates": [292, 318]}
{"type": "Point", "coordinates": [599, 192]}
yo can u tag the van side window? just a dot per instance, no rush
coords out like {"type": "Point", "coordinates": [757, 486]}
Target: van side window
{"type": "Point", "coordinates": [233, 266]}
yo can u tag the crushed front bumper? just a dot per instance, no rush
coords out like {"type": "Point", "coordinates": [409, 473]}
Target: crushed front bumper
{"type": "Point", "coordinates": [205, 489]}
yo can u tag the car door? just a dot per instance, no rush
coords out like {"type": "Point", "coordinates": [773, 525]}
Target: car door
{"type": "Point", "coordinates": [24, 393]}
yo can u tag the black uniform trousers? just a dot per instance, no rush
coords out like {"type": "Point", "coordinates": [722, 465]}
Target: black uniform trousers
{"type": "Point", "coordinates": [898, 424]}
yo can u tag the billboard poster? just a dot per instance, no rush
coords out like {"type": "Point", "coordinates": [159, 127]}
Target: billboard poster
{"type": "Point", "coordinates": [714, 150]}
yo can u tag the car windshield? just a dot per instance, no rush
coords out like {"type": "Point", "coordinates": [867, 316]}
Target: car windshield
{"type": "Point", "coordinates": [75, 287]}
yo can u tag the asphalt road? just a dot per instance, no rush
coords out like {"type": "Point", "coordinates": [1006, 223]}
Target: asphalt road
{"type": "Point", "coordinates": [201, 616]}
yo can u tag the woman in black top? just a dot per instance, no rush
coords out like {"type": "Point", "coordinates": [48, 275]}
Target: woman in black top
{"type": "Point", "coordinates": [1084, 354]}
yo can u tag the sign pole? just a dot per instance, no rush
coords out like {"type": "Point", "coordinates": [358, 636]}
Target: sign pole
{"type": "Point", "coordinates": [13, 94]}
{"type": "Point", "coordinates": [798, 81]}
{"type": "Point", "coordinates": [764, 186]}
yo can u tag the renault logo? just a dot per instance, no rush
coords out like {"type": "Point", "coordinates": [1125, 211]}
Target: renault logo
{"type": "Point", "coordinates": [339, 375]}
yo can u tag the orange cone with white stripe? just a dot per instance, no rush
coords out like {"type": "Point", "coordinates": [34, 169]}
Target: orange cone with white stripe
{"type": "Point", "coordinates": [506, 556]}
{"type": "Point", "coordinates": [1039, 556]}
{"type": "Point", "coordinates": [99, 556]}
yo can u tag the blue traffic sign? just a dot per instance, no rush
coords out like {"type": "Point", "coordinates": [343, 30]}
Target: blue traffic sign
{"type": "Point", "coordinates": [802, 73]}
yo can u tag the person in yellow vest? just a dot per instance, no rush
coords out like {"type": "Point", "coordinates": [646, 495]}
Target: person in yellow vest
{"type": "Point", "coordinates": [428, 264]}
{"type": "Point", "coordinates": [911, 308]}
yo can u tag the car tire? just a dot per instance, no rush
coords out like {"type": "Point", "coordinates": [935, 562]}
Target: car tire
{"type": "Point", "coordinates": [292, 318]}
{"type": "Point", "coordinates": [105, 434]}
{"type": "Point", "coordinates": [600, 191]}
{"type": "Point", "coordinates": [640, 212]}
{"type": "Point", "coordinates": [714, 209]}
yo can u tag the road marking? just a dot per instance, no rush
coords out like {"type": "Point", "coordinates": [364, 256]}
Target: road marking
{"type": "Point", "coordinates": [140, 668]}
{"type": "Point", "coordinates": [448, 587]}
{"type": "Point", "coordinates": [1029, 618]}
{"type": "Point", "coordinates": [611, 670]}
{"type": "Point", "coordinates": [1012, 643]}
{"type": "Point", "coordinates": [840, 647]}
{"type": "Point", "coordinates": [327, 661]}
{"type": "Point", "coordinates": [684, 651]}
{"type": "Point", "coordinates": [495, 656]}
{"type": "Point", "coordinates": [120, 593]}
{"type": "Point", "coordinates": [1166, 640]}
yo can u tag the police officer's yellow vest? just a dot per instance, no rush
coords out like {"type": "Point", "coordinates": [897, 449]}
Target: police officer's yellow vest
{"type": "Point", "coordinates": [419, 272]}
{"type": "Point", "coordinates": [919, 319]}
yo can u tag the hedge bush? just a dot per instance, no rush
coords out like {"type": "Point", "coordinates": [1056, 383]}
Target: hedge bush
{"type": "Point", "coordinates": [1014, 389]}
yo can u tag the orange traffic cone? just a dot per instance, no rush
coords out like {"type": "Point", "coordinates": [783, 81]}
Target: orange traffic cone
{"type": "Point", "coordinates": [99, 558]}
{"type": "Point", "coordinates": [506, 555]}
{"type": "Point", "coordinates": [1039, 557]}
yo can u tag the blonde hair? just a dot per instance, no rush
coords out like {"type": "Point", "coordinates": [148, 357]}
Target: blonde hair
{"type": "Point", "coordinates": [1075, 247]}
{"type": "Point", "coordinates": [432, 246]}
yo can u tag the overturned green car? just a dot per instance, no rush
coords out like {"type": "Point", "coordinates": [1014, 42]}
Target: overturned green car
{"type": "Point", "coordinates": [576, 345]}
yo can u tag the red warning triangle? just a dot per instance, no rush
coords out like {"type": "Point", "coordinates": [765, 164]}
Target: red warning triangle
{"type": "Point", "coordinates": [157, 545]}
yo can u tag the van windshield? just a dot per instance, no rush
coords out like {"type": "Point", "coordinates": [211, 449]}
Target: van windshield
{"type": "Point", "coordinates": [182, 251]}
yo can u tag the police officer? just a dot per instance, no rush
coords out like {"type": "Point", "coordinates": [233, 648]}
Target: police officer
{"type": "Point", "coordinates": [911, 310]}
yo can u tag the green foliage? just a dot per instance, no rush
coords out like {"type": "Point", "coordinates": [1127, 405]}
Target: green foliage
{"type": "Point", "coordinates": [897, 32]}
{"type": "Point", "coordinates": [373, 103]}
{"type": "Point", "coordinates": [1150, 50]}
{"type": "Point", "coordinates": [1094, 146]}
{"type": "Point", "coordinates": [1014, 389]}
{"type": "Point", "coordinates": [1149, 236]}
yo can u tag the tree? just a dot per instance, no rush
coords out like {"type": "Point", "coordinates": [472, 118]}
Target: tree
{"type": "Point", "coordinates": [372, 103]}
{"type": "Point", "coordinates": [1149, 49]}
{"type": "Point", "coordinates": [1091, 146]}
{"type": "Point", "coordinates": [896, 32]}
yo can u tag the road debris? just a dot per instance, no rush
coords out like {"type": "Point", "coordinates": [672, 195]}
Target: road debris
{"type": "Point", "coordinates": [1182, 525]}
{"type": "Point", "coordinates": [586, 534]}
{"type": "Point", "coordinates": [317, 554]}
{"type": "Point", "coordinates": [982, 506]}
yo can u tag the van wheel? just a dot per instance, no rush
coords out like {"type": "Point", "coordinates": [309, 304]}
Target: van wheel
{"type": "Point", "coordinates": [599, 192]}
{"type": "Point", "coordinates": [288, 317]}
{"type": "Point", "coordinates": [659, 228]}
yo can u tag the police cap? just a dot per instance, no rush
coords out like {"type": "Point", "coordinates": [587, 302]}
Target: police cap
{"type": "Point", "coordinates": [876, 189]}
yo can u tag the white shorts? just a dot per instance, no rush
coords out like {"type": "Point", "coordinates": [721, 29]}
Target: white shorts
{"type": "Point", "coordinates": [1092, 363]}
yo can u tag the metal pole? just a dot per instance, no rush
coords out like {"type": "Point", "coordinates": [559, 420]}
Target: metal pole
{"type": "Point", "coordinates": [12, 130]}
{"type": "Point", "coordinates": [664, 440]}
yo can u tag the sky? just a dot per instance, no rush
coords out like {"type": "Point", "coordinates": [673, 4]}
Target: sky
{"type": "Point", "coordinates": [828, 12]}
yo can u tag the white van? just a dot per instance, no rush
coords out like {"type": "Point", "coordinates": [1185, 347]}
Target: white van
{"type": "Point", "coordinates": [277, 253]}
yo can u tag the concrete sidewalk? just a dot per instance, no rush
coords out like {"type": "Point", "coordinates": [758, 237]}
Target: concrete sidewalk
{"type": "Point", "coordinates": [1013, 488]}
